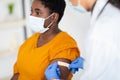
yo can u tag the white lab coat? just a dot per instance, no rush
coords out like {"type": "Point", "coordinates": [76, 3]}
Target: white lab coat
{"type": "Point", "coordinates": [102, 60]}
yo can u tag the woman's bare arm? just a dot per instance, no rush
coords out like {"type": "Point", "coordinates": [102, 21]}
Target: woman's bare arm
{"type": "Point", "coordinates": [15, 76]}
{"type": "Point", "coordinates": [63, 70]}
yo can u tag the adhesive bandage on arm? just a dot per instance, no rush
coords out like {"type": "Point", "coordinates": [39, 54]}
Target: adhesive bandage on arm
{"type": "Point", "coordinates": [63, 64]}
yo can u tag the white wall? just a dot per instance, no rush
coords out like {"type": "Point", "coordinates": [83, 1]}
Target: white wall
{"type": "Point", "coordinates": [8, 33]}
{"type": "Point", "coordinates": [4, 14]}
{"type": "Point", "coordinates": [10, 37]}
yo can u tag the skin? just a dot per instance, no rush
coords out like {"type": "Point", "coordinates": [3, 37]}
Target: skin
{"type": "Point", "coordinates": [87, 4]}
{"type": "Point", "coordinates": [63, 70]}
{"type": "Point", "coordinates": [39, 10]}
{"type": "Point", "coordinates": [15, 76]}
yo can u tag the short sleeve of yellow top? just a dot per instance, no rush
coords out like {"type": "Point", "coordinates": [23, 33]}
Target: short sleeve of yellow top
{"type": "Point", "coordinates": [32, 61]}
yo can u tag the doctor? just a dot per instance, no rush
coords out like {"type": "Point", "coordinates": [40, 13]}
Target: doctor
{"type": "Point", "coordinates": [102, 43]}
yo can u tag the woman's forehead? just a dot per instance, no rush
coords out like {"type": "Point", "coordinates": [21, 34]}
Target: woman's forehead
{"type": "Point", "coordinates": [37, 4]}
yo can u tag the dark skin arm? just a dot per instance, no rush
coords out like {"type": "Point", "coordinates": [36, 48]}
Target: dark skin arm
{"type": "Point", "coordinates": [63, 70]}
{"type": "Point", "coordinates": [15, 76]}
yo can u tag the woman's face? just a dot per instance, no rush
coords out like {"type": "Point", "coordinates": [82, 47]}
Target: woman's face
{"type": "Point", "coordinates": [39, 10]}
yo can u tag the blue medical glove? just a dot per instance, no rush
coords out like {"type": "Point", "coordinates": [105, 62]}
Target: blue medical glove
{"type": "Point", "coordinates": [52, 71]}
{"type": "Point", "coordinates": [74, 70]}
{"type": "Point", "coordinates": [78, 63]}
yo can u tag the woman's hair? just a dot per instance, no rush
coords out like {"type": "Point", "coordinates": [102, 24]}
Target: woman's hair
{"type": "Point", "coordinates": [115, 3]}
{"type": "Point", "coordinates": [57, 6]}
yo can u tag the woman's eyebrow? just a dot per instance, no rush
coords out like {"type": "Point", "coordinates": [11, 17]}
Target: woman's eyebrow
{"type": "Point", "coordinates": [37, 9]}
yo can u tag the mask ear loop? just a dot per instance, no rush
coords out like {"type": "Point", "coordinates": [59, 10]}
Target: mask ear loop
{"type": "Point", "coordinates": [49, 16]}
{"type": "Point", "coordinates": [47, 28]}
{"type": "Point", "coordinates": [50, 23]}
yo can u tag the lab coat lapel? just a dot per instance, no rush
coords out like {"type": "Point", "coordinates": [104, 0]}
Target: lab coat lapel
{"type": "Point", "coordinates": [97, 10]}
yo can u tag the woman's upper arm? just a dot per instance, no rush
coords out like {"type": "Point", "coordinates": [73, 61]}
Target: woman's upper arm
{"type": "Point", "coordinates": [63, 70]}
{"type": "Point", "coordinates": [15, 76]}
{"type": "Point", "coordinates": [65, 55]}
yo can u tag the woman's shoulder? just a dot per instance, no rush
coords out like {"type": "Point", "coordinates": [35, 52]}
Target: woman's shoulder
{"type": "Point", "coordinates": [64, 44]}
{"type": "Point", "coordinates": [65, 40]}
{"type": "Point", "coordinates": [65, 37]}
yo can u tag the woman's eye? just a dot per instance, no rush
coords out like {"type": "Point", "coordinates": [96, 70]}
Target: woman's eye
{"type": "Point", "coordinates": [38, 13]}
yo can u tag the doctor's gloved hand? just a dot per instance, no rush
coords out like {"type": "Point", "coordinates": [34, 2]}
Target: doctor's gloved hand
{"type": "Point", "coordinates": [52, 71]}
{"type": "Point", "coordinates": [76, 64]}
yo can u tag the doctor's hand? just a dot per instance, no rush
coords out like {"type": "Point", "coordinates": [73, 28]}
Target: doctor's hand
{"type": "Point", "coordinates": [52, 72]}
{"type": "Point", "coordinates": [76, 64]}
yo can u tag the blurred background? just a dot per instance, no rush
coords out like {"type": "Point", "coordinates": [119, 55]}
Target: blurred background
{"type": "Point", "coordinates": [14, 30]}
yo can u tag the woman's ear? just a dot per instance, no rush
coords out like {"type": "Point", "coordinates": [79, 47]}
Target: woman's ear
{"type": "Point", "coordinates": [55, 17]}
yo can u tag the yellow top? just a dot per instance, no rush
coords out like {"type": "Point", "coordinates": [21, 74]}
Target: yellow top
{"type": "Point", "coordinates": [32, 61]}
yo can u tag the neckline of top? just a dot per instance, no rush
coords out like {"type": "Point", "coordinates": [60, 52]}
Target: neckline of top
{"type": "Point", "coordinates": [52, 40]}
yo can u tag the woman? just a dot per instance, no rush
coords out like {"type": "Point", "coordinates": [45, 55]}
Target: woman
{"type": "Point", "coordinates": [103, 41]}
{"type": "Point", "coordinates": [48, 46]}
